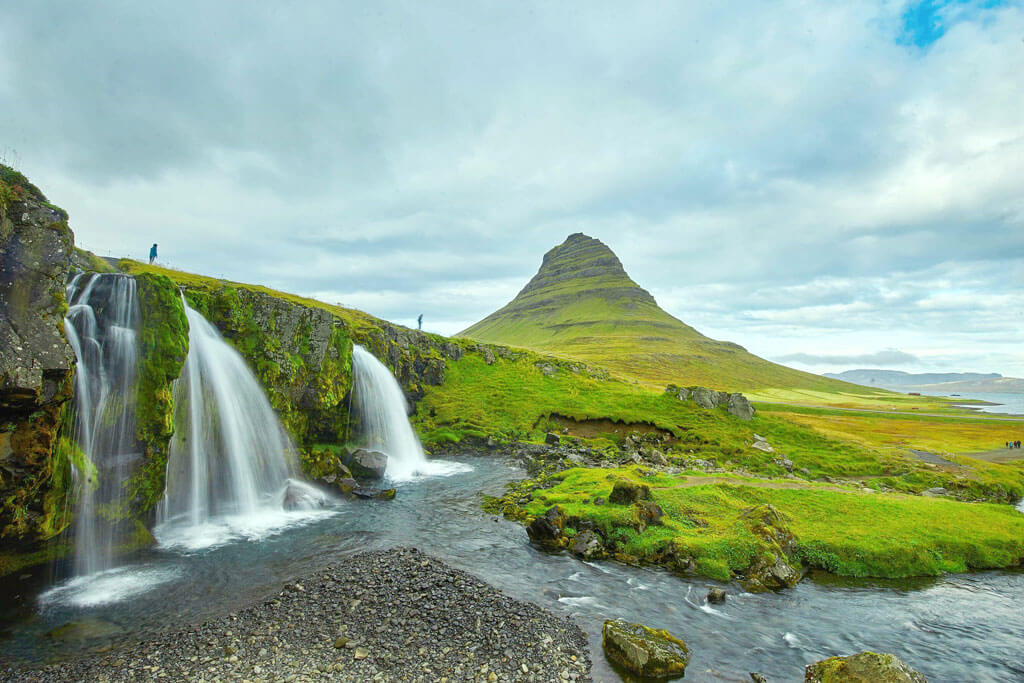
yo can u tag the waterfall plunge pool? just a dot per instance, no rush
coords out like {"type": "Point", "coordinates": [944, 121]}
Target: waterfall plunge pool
{"type": "Point", "coordinates": [958, 627]}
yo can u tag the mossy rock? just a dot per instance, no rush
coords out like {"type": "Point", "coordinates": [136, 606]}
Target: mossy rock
{"type": "Point", "coordinates": [865, 667]}
{"type": "Point", "coordinates": [627, 493]}
{"type": "Point", "coordinates": [644, 651]}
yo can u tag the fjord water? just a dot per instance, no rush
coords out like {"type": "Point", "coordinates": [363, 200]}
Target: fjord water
{"type": "Point", "coordinates": [230, 463]}
{"type": "Point", "coordinates": [382, 412]}
{"type": "Point", "coordinates": [101, 326]}
{"type": "Point", "coordinates": [954, 628]}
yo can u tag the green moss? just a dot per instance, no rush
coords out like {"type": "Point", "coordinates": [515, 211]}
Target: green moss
{"type": "Point", "coordinates": [846, 532]}
{"type": "Point", "coordinates": [163, 345]}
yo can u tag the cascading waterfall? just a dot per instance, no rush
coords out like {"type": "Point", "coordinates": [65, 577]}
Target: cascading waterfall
{"type": "Point", "coordinates": [230, 465]}
{"type": "Point", "coordinates": [384, 423]}
{"type": "Point", "coordinates": [101, 325]}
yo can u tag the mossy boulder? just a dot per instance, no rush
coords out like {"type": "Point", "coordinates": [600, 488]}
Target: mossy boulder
{"type": "Point", "coordinates": [627, 493]}
{"type": "Point", "coordinates": [547, 530]}
{"type": "Point", "coordinates": [865, 667]}
{"type": "Point", "coordinates": [643, 651]}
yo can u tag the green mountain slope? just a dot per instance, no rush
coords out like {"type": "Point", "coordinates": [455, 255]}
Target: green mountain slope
{"type": "Point", "coordinates": [582, 304]}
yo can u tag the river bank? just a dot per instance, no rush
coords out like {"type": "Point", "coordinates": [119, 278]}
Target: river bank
{"type": "Point", "coordinates": [393, 615]}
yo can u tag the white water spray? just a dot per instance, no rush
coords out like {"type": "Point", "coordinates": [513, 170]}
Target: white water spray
{"type": "Point", "coordinates": [383, 418]}
{"type": "Point", "coordinates": [230, 465]}
{"type": "Point", "coordinates": [101, 326]}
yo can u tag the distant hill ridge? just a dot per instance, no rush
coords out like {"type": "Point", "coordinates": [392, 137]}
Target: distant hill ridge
{"type": "Point", "coordinates": [582, 304]}
{"type": "Point", "coordinates": [936, 382]}
{"type": "Point", "coordinates": [897, 378]}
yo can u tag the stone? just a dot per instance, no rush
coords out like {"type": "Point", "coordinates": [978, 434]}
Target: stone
{"type": "Point", "coordinates": [758, 678]}
{"type": "Point", "coordinates": [935, 492]}
{"type": "Point", "coordinates": [627, 493]}
{"type": "Point", "coordinates": [657, 457]}
{"type": "Point", "coordinates": [552, 439]}
{"type": "Point", "coordinates": [864, 667]}
{"type": "Point", "coordinates": [705, 398]}
{"type": "Point", "coordinates": [546, 531]}
{"type": "Point", "coordinates": [360, 653]}
{"type": "Point", "coordinates": [716, 596]}
{"type": "Point", "coordinates": [366, 464]}
{"type": "Point", "coordinates": [587, 545]}
{"type": "Point", "coordinates": [644, 651]}
{"type": "Point", "coordinates": [784, 462]}
{"type": "Point", "coordinates": [488, 355]}
{"type": "Point", "coordinates": [762, 445]}
{"type": "Point", "coordinates": [740, 407]}
{"type": "Point", "coordinates": [647, 513]}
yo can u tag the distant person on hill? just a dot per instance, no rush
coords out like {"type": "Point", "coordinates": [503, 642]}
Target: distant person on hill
{"type": "Point", "coordinates": [419, 322]}
{"type": "Point", "coordinates": [152, 254]}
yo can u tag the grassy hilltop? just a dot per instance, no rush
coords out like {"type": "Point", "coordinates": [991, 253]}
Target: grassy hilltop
{"type": "Point", "coordinates": [582, 304]}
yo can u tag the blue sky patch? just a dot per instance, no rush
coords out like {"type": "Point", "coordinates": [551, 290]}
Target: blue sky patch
{"type": "Point", "coordinates": [926, 21]}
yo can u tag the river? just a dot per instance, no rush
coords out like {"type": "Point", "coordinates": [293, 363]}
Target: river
{"type": "Point", "coordinates": [953, 628]}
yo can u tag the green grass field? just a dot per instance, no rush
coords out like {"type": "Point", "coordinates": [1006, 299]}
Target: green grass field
{"type": "Point", "coordinates": [847, 532]}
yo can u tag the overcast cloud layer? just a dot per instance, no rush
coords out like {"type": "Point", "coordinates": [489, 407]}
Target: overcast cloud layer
{"type": "Point", "coordinates": [826, 183]}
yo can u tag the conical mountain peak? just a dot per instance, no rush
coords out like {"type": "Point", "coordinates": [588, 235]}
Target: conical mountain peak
{"type": "Point", "coordinates": [582, 304]}
{"type": "Point", "coordinates": [582, 259]}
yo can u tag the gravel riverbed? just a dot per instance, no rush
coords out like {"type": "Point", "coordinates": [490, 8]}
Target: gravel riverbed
{"type": "Point", "coordinates": [393, 615]}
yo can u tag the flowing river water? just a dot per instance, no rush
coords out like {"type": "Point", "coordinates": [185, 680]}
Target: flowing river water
{"type": "Point", "coordinates": [954, 628]}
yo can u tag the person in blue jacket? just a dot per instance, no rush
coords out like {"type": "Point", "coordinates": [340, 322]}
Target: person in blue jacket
{"type": "Point", "coordinates": [152, 254]}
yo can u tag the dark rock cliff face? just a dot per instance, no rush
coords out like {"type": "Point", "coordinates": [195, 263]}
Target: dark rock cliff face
{"type": "Point", "coordinates": [36, 363]}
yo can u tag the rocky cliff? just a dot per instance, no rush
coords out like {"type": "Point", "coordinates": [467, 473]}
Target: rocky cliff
{"type": "Point", "coordinates": [36, 363]}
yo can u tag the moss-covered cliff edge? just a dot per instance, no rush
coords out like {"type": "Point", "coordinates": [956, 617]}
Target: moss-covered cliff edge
{"type": "Point", "coordinates": [36, 366]}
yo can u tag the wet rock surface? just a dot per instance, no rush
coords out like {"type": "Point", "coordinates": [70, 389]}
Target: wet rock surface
{"type": "Point", "coordinates": [865, 667]}
{"type": "Point", "coordinates": [644, 651]}
{"type": "Point", "coordinates": [392, 615]}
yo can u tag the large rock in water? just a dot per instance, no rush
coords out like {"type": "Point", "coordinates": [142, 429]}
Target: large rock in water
{"type": "Point", "coordinates": [366, 464]}
{"type": "Point", "coordinates": [865, 667]}
{"type": "Point", "coordinates": [644, 651]}
{"type": "Point", "coordinates": [36, 363]}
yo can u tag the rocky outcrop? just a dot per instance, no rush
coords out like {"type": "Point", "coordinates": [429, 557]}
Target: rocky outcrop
{"type": "Point", "coordinates": [36, 363]}
{"type": "Point", "coordinates": [644, 651]}
{"type": "Point", "coordinates": [771, 570]}
{"type": "Point", "coordinates": [301, 354]}
{"type": "Point", "coordinates": [366, 464]}
{"type": "Point", "coordinates": [709, 399]}
{"type": "Point", "coordinates": [865, 667]}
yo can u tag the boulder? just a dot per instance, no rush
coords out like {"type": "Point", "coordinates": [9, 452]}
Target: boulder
{"type": "Point", "coordinates": [935, 492]}
{"type": "Point", "coordinates": [716, 595]}
{"type": "Point", "coordinates": [546, 531]}
{"type": "Point", "coordinates": [552, 439]}
{"type": "Point", "coordinates": [864, 667]}
{"type": "Point", "coordinates": [647, 513]}
{"type": "Point", "coordinates": [366, 464]}
{"type": "Point", "coordinates": [770, 573]}
{"type": "Point", "coordinates": [370, 493]}
{"type": "Point", "coordinates": [762, 445]}
{"type": "Point", "coordinates": [627, 493]}
{"type": "Point", "coordinates": [740, 407]}
{"type": "Point", "coordinates": [644, 651]}
{"type": "Point", "coordinates": [587, 544]}
{"type": "Point", "coordinates": [705, 398]}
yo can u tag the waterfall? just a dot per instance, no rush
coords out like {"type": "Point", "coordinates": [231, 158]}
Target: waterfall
{"type": "Point", "coordinates": [101, 326]}
{"type": "Point", "coordinates": [230, 464]}
{"type": "Point", "coordinates": [384, 423]}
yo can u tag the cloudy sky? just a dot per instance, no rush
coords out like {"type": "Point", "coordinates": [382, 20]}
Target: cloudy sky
{"type": "Point", "coordinates": [833, 185]}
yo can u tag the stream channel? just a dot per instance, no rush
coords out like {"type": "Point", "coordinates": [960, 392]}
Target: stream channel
{"type": "Point", "coordinates": [954, 628]}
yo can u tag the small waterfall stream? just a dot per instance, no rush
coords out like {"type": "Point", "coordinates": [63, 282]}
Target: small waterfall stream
{"type": "Point", "coordinates": [230, 463]}
{"type": "Point", "coordinates": [101, 325]}
{"type": "Point", "coordinates": [384, 423]}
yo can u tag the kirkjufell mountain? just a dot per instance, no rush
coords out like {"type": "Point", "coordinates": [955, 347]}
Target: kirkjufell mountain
{"type": "Point", "coordinates": [582, 304]}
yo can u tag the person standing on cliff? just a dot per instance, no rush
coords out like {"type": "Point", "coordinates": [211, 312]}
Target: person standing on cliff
{"type": "Point", "coordinates": [152, 254]}
{"type": "Point", "coordinates": [419, 322]}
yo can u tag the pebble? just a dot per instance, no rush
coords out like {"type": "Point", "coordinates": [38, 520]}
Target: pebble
{"type": "Point", "coordinates": [421, 619]}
